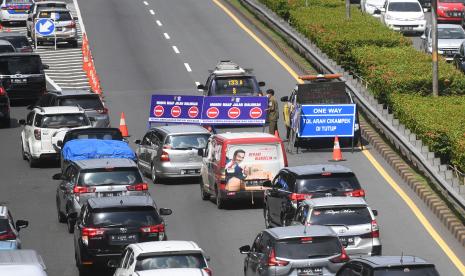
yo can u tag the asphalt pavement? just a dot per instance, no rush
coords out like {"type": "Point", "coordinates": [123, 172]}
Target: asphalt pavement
{"type": "Point", "coordinates": [135, 58]}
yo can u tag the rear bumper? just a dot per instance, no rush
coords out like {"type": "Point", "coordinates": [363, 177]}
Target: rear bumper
{"type": "Point", "coordinates": [176, 170]}
{"type": "Point", "coordinates": [242, 195]}
{"type": "Point", "coordinates": [89, 258]}
{"type": "Point", "coordinates": [17, 17]}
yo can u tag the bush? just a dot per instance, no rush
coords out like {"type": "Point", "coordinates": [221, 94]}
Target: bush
{"type": "Point", "coordinates": [280, 7]}
{"type": "Point", "coordinates": [439, 122]}
{"type": "Point", "coordinates": [403, 70]}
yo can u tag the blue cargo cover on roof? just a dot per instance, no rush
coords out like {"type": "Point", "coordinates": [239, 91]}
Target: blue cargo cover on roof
{"type": "Point", "coordinates": [82, 149]}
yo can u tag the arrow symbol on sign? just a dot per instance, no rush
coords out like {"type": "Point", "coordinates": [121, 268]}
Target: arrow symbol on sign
{"type": "Point", "coordinates": [45, 27]}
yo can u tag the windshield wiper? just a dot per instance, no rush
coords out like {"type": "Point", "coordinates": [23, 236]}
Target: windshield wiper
{"type": "Point", "coordinates": [326, 190]}
{"type": "Point", "coordinates": [111, 225]}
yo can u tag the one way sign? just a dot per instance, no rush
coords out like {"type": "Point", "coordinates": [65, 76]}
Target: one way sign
{"type": "Point", "coordinates": [45, 27]}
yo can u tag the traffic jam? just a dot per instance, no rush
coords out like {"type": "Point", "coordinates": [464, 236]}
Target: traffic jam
{"type": "Point", "coordinates": [225, 136]}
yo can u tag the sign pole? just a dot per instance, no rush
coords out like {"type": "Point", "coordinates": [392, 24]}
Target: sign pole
{"type": "Point", "coordinates": [35, 34]}
{"type": "Point", "coordinates": [55, 34]}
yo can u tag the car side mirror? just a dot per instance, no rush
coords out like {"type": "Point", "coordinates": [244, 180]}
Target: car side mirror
{"type": "Point", "coordinates": [425, 10]}
{"type": "Point", "coordinates": [60, 143]}
{"type": "Point", "coordinates": [29, 19]}
{"type": "Point", "coordinates": [137, 142]}
{"type": "Point", "coordinates": [165, 211]}
{"type": "Point", "coordinates": [113, 263]}
{"type": "Point", "coordinates": [375, 212]}
{"type": "Point", "coordinates": [261, 83]}
{"type": "Point", "coordinates": [58, 176]}
{"type": "Point", "coordinates": [267, 183]}
{"type": "Point", "coordinates": [284, 99]}
{"type": "Point", "coordinates": [423, 36]}
{"type": "Point", "coordinates": [76, 18]}
{"type": "Point", "coordinates": [201, 87]}
{"type": "Point", "coordinates": [208, 258]}
{"type": "Point", "coordinates": [377, 11]}
{"type": "Point", "coordinates": [22, 122]}
{"type": "Point", "coordinates": [244, 249]}
{"type": "Point", "coordinates": [45, 66]}
{"type": "Point", "coordinates": [345, 243]}
{"type": "Point", "coordinates": [200, 152]}
{"type": "Point", "coordinates": [21, 224]}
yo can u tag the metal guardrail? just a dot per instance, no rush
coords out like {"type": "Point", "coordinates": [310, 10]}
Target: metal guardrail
{"type": "Point", "coordinates": [367, 103]}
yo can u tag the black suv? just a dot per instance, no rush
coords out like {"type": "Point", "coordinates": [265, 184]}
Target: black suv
{"type": "Point", "coordinates": [294, 184]}
{"type": "Point", "coordinates": [229, 79]}
{"type": "Point", "coordinates": [18, 40]}
{"type": "Point", "coordinates": [4, 108]}
{"type": "Point", "coordinates": [107, 225]}
{"type": "Point", "coordinates": [22, 75]}
{"type": "Point", "coordinates": [388, 265]}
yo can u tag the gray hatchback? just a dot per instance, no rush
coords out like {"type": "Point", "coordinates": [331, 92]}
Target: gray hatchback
{"type": "Point", "coordinates": [294, 250]}
{"type": "Point", "coordinates": [91, 178]}
{"type": "Point", "coordinates": [171, 151]}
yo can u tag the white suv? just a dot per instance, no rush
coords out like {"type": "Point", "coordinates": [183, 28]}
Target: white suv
{"type": "Point", "coordinates": [406, 16]}
{"type": "Point", "coordinates": [161, 255]}
{"type": "Point", "coordinates": [45, 126]}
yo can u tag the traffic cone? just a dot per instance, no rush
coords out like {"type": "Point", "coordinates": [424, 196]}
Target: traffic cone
{"type": "Point", "coordinates": [276, 133]}
{"type": "Point", "coordinates": [122, 125]}
{"type": "Point", "coordinates": [337, 153]}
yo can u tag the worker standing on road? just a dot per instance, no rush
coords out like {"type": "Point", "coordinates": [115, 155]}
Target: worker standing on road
{"type": "Point", "coordinates": [273, 112]}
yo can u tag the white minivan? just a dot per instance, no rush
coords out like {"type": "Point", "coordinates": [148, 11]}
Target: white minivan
{"type": "Point", "coordinates": [14, 10]}
{"type": "Point", "coordinates": [406, 16]}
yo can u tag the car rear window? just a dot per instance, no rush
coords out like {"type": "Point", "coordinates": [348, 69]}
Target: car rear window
{"type": "Point", "coordinates": [17, 42]}
{"type": "Point", "coordinates": [131, 217]}
{"type": "Point", "coordinates": [6, 49]}
{"type": "Point", "coordinates": [406, 271]}
{"type": "Point", "coordinates": [4, 226]}
{"type": "Point", "coordinates": [341, 215]}
{"type": "Point", "coordinates": [56, 15]}
{"type": "Point", "coordinates": [86, 102]}
{"type": "Point", "coordinates": [104, 135]}
{"type": "Point", "coordinates": [61, 120]}
{"type": "Point", "coordinates": [123, 176]}
{"type": "Point", "coordinates": [327, 182]}
{"type": "Point", "coordinates": [308, 248]}
{"type": "Point", "coordinates": [235, 85]}
{"type": "Point", "coordinates": [191, 141]}
{"type": "Point", "coordinates": [189, 260]}
{"type": "Point", "coordinates": [12, 65]}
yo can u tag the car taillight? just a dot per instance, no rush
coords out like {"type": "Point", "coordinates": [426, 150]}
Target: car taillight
{"type": "Point", "coordinates": [374, 231]}
{"type": "Point", "coordinates": [356, 193]}
{"type": "Point", "coordinates": [4, 8]}
{"type": "Point", "coordinates": [159, 228]}
{"type": "Point", "coordinates": [37, 134]}
{"type": "Point", "coordinates": [88, 233]}
{"type": "Point", "coordinates": [299, 197]}
{"type": "Point", "coordinates": [164, 157]}
{"type": "Point", "coordinates": [138, 187]}
{"type": "Point", "coordinates": [26, 50]}
{"type": "Point", "coordinates": [72, 25]}
{"type": "Point", "coordinates": [209, 271]}
{"type": "Point", "coordinates": [2, 91]}
{"type": "Point", "coordinates": [272, 261]}
{"type": "Point", "coordinates": [103, 110]}
{"type": "Point", "coordinates": [7, 236]}
{"type": "Point", "coordinates": [83, 190]}
{"type": "Point", "coordinates": [341, 258]}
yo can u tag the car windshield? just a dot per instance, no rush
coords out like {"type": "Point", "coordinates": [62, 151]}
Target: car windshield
{"type": "Point", "coordinates": [125, 176]}
{"type": "Point", "coordinates": [50, 5]}
{"type": "Point", "coordinates": [341, 215]}
{"type": "Point", "coordinates": [133, 217]}
{"type": "Point", "coordinates": [326, 183]}
{"type": "Point", "coordinates": [12, 65]}
{"type": "Point", "coordinates": [6, 49]}
{"type": "Point", "coordinates": [17, 42]}
{"type": "Point", "coordinates": [451, 33]}
{"type": "Point", "coordinates": [235, 85]}
{"type": "Point", "coordinates": [56, 15]}
{"type": "Point", "coordinates": [192, 260]}
{"type": "Point", "coordinates": [86, 102]}
{"type": "Point", "coordinates": [61, 120]}
{"type": "Point", "coordinates": [406, 271]}
{"type": "Point", "coordinates": [404, 7]}
{"type": "Point", "coordinates": [191, 141]}
{"type": "Point", "coordinates": [308, 248]}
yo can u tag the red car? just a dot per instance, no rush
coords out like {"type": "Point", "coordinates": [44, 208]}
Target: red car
{"type": "Point", "coordinates": [450, 11]}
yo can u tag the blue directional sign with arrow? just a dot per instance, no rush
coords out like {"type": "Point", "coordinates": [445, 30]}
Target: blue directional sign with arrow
{"type": "Point", "coordinates": [45, 27]}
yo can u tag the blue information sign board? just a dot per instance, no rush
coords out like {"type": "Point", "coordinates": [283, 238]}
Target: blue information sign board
{"type": "Point", "coordinates": [327, 120]}
{"type": "Point", "coordinates": [211, 110]}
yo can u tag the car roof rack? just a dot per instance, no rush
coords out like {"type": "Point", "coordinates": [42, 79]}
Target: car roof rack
{"type": "Point", "coordinates": [228, 67]}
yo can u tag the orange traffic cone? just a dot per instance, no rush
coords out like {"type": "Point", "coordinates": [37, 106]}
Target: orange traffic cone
{"type": "Point", "coordinates": [122, 125]}
{"type": "Point", "coordinates": [276, 133]}
{"type": "Point", "coordinates": [337, 153]}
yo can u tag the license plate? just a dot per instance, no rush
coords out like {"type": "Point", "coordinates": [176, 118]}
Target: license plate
{"type": "Point", "coordinates": [310, 271]}
{"type": "Point", "coordinates": [189, 172]}
{"type": "Point", "coordinates": [111, 194]}
{"type": "Point", "coordinates": [19, 80]}
{"type": "Point", "coordinates": [427, 4]}
{"type": "Point", "coordinates": [59, 28]}
{"type": "Point", "coordinates": [456, 14]}
{"type": "Point", "coordinates": [406, 28]}
{"type": "Point", "coordinates": [20, 10]}
{"type": "Point", "coordinates": [448, 53]}
{"type": "Point", "coordinates": [348, 240]}
{"type": "Point", "coordinates": [130, 238]}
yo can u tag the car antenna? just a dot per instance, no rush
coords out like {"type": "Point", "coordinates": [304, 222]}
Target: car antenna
{"type": "Point", "coordinates": [402, 258]}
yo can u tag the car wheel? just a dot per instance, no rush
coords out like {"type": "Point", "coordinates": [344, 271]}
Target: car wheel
{"type": "Point", "coordinates": [204, 195]}
{"type": "Point", "coordinates": [23, 154]}
{"type": "Point", "coordinates": [32, 162]}
{"type": "Point", "coordinates": [153, 174]}
{"type": "Point", "coordinates": [266, 214]}
{"type": "Point", "coordinates": [70, 224]}
{"type": "Point", "coordinates": [220, 202]}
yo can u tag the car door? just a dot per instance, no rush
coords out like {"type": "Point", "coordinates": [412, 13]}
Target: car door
{"type": "Point", "coordinates": [67, 199]}
{"type": "Point", "coordinates": [205, 168]}
{"type": "Point", "coordinates": [251, 260]}
{"type": "Point", "coordinates": [29, 130]}
{"type": "Point", "coordinates": [153, 149]}
{"type": "Point", "coordinates": [272, 199]}
{"type": "Point", "coordinates": [141, 151]}
{"type": "Point", "coordinates": [214, 166]}
{"type": "Point", "coordinates": [120, 270]}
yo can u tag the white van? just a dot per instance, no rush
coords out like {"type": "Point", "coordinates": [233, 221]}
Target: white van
{"type": "Point", "coordinates": [22, 262]}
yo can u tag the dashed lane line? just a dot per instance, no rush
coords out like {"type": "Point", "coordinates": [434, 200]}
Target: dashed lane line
{"type": "Point", "coordinates": [176, 50]}
{"type": "Point", "coordinates": [167, 36]}
{"type": "Point", "coordinates": [188, 68]}
{"type": "Point", "coordinates": [152, 12]}
{"type": "Point", "coordinates": [159, 23]}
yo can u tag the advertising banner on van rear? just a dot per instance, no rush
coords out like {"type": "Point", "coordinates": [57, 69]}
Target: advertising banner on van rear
{"type": "Point", "coordinates": [248, 166]}
{"type": "Point", "coordinates": [209, 110]}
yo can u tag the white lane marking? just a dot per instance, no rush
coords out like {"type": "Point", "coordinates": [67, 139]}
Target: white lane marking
{"type": "Point", "coordinates": [188, 68]}
{"type": "Point", "coordinates": [145, 3]}
{"type": "Point", "coordinates": [166, 35]}
{"type": "Point", "coordinates": [176, 50]}
{"type": "Point", "coordinates": [152, 12]}
{"type": "Point", "coordinates": [159, 23]}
